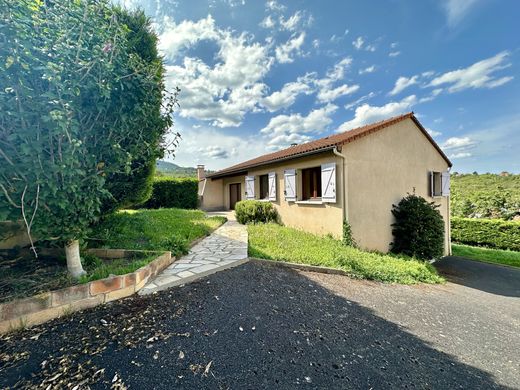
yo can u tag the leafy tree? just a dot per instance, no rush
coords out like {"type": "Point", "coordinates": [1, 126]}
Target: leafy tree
{"type": "Point", "coordinates": [418, 229]}
{"type": "Point", "coordinates": [73, 104]}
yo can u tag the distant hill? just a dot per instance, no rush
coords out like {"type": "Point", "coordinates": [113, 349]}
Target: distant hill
{"type": "Point", "coordinates": [165, 168]}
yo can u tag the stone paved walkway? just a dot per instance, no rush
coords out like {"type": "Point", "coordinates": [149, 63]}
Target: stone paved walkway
{"type": "Point", "coordinates": [226, 247]}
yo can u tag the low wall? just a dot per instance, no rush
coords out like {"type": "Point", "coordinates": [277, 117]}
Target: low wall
{"type": "Point", "coordinates": [46, 306]}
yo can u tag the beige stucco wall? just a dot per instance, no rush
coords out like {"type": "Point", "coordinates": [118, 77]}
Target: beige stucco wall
{"type": "Point", "coordinates": [381, 169]}
{"type": "Point", "coordinates": [326, 218]}
{"type": "Point", "coordinates": [211, 194]}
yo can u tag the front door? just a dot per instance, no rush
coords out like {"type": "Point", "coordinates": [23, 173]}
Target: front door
{"type": "Point", "coordinates": [234, 195]}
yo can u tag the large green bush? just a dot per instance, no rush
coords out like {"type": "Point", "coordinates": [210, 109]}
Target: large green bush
{"type": "Point", "coordinates": [418, 229]}
{"type": "Point", "coordinates": [181, 193]}
{"type": "Point", "coordinates": [255, 211]}
{"type": "Point", "coordinates": [493, 233]}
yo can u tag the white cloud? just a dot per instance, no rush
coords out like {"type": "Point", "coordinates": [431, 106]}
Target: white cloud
{"type": "Point", "coordinates": [456, 10]}
{"type": "Point", "coordinates": [393, 45]}
{"type": "Point", "coordinates": [214, 151]}
{"type": "Point", "coordinates": [366, 113]}
{"type": "Point", "coordinates": [328, 94]}
{"type": "Point", "coordinates": [226, 91]}
{"type": "Point", "coordinates": [458, 142]}
{"type": "Point", "coordinates": [402, 83]}
{"type": "Point", "coordinates": [268, 22]}
{"type": "Point", "coordinates": [282, 130]}
{"type": "Point", "coordinates": [316, 43]}
{"type": "Point", "coordinates": [358, 43]}
{"type": "Point", "coordinates": [369, 69]}
{"type": "Point", "coordinates": [394, 53]}
{"type": "Point", "coordinates": [287, 95]}
{"type": "Point", "coordinates": [433, 133]}
{"type": "Point", "coordinates": [360, 100]}
{"type": "Point", "coordinates": [284, 52]}
{"type": "Point", "coordinates": [460, 155]}
{"type": "Point", "coordinates": [370, 48]}
{"type": "Point", "coordinates": [185, 34]}
{"type": "Point", "coordinates": [274, 6]}
{"type": "Point", "coordinates": [478, 75]}
{"type": "Point", "coordinates": [337, 72]}
{"type": "Point", "coordinates": [291, 23]}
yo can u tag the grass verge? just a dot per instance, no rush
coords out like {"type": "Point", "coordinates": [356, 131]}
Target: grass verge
{"type": "Point", "coordinates": [162, 229]}
{"type": "Point", "coordinates": [274, 242]}
{"type": "Point", "coordinates": [488, 255]}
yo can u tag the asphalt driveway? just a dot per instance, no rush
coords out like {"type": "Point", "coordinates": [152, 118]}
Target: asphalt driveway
{"type": "Point", "coordinates": [259, 326]}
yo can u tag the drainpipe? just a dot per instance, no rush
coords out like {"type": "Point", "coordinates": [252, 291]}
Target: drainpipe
{"type": "Point", "coordinates": [343, 186]}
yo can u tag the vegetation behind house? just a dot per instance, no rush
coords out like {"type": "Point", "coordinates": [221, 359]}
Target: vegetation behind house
{"type": "Point", "coordinates": [494, 233]}
{"type": "Point", "coordinates": [169, 192]}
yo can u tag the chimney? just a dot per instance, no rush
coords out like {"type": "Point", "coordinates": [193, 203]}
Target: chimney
{"type": "Point", "coordinates": [200, 172]}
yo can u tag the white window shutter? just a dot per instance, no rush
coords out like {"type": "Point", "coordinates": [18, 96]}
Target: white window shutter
{"type": "Point", "coordinates": [250, 187]}
{"type": "Point", "coordinates": [328, 183]}
{"type": "Point", "coordinates": [445, 183]}
{"type": "Point", "coordinates": [431, 185]}
{"type": "Point", "coordinates": [290, 185]}
{"type": "Point", "coordinates": [272, 186]}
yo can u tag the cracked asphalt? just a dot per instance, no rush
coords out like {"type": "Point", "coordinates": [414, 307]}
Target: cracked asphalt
{"type": "Point", "coordinates": [260, 326]}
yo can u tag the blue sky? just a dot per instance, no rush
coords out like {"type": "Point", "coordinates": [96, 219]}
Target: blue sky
{"type": "Point", "coordinates": [257, 76]}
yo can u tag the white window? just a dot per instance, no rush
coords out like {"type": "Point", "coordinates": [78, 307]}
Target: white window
{"type": "Point", "coordinates": [272, 186]}
{"type": "Point", "coordinates": [290, 185]}
{"type": "Point", "coordinates": [439, 183]}
{"type": "Point", "coordinates": [328, 183]}
{"type": "Point", "coordinates": [250, 187]}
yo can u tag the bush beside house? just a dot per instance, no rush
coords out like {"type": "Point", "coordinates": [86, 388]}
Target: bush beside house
{"type": "Point", "coordinates": [418, 229]}
{"type": "Point", "coordinates": [254, 211]}
{"type": "Point", "coordinates": [493, 233]}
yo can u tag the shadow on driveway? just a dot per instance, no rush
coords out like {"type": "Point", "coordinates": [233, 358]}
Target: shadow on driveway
{"type": "Point", "coordinates": [254, 326]}
{"type": "Point", "coordinates": [491, 278]}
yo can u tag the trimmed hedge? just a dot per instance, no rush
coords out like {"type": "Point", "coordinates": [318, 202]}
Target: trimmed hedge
{"type": "Point", "coordinates": [254, 211]}
{"type": "Point", "coordinates": [492, 233]}
{"type": "Point", "coordinates": [181, 193]}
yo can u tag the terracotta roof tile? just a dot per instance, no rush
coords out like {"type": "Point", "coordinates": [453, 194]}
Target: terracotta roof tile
{"type": "Point", "coordinates": [325, 143]}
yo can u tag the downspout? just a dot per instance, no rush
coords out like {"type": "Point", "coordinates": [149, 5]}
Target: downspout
{"type": "Point", "coordinates": [449, 216]}
{"type": "Point", "coordinates": [343, 186]}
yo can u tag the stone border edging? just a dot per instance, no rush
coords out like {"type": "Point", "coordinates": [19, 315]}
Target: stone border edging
{"type": "Point", "coordinates": [301, 267]}
{"type": "Point", "coordinates": [43, 307]}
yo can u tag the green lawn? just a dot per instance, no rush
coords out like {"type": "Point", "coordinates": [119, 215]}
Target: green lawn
{"type": "Point", "coordinates": [162, 229]}
{"type": "Point", "coordinates": [496, 256]}
{"type": "Point", "coordinates": [274, 242]}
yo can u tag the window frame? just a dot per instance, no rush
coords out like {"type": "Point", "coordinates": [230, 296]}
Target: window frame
{"type": "Point", "coordinates": [311, 191]}
{"type": "Point", "coordinates": [261, 186]}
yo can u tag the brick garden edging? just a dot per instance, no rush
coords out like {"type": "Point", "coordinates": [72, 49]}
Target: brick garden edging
{"type": "Point", "coordinates": [48, 305]}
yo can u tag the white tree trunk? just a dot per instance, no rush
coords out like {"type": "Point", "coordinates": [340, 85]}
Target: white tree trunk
{"type": "Point", "coordinates": [73, 259]}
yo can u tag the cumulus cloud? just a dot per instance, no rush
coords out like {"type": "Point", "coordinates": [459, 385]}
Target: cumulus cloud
{"type": "Point", "coordinates": [394, 53]}
{"type": "Point", "coordinates": [360, 100]}
{"type": "Point", "coordinates": [273, 5]}
{"type": "Point", "coordinates": [327, 90]}
{"type": "Point", "coordinates": [285, 52]}
{"type": "Point", "coordinates": [222, 93]}
{"type": "Point", "coordinates": [479, 75]}
{"type": "Point", "coordinates": [366, 113]}
{"type": "Point", "coordinates": [282, 130]}
{"type": "Point", "coordinates": [433, 133]}
{"type": "Point", "coordinates": [402, 83]}
{"type": "Point", "coordinates": [358, 43]}
{"type": "Point", "coordinates": [369, 69]}
{"type": "Point", "coordinates": [458, 142]}
{"type": "Point", "coordinates": [328, 94]}
{"type": "Point", "coordinates": [268, 22]}
{"type": "Point", "coordinates": [215, 152]}
{"type": "Point", "coordinates": [287, 95]}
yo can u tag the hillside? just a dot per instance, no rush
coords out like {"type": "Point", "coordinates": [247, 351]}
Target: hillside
{"type": "Point", "coordinates": [485, 196]}
{"type": "Point", "coordinates": [166, 168]}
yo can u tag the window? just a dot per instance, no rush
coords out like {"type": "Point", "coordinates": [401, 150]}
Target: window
{"type": "Point", "coordinates": [264, 186]}
{"type": "Point", "coordinates": [311, 183]}
{"type": "Point", "coordinates": [435, 183]}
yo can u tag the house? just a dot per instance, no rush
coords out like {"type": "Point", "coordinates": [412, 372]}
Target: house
{"type": "Point", "coordinates": [355, 176]}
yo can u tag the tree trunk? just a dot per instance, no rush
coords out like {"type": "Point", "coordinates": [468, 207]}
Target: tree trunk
{"type": "Point", "coordinates": [73, 259]}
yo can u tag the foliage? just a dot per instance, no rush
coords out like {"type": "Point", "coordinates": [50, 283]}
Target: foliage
{"type": "Point", "coordinates": [163, 229]}
{"type": "Point", "coordinates": [493, 233]}
{"type": "Point", "coordinates": [255, 211]}
{"type": "Point", "coordinates": [76, 99]}
{"type": "Point", "coordinates": [101, 269]}
{"type": "Point", "coordinates": [497, 256]}
{"type": "Point", "coordinates": [173, 193]}
{"type": "Point", "coordinates": [166, 168]}
{"type": "Point", "coordinates": [274, 242]}
{"type": "Point", "coordinates": [485, 196]}
{"type": "Point", "coordinates": [347, 238]}
{"type": "Point", "coordinates": [418, 229]}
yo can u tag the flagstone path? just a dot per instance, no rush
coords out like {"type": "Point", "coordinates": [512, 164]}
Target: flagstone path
{"type": "Point", "coordinates": [226, 247]}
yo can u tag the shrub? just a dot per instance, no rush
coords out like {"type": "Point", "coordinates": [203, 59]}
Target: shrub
{"type": "Point", "coordinates": [348, 240]}
{"type": "Point", "coordinates": [418, 229]}
{"type": "Point", "coordinates": [181, 193]}
{"type": "Point", "coordinates": [254, 211]}
{"type": "Point", "coordinates": [494, 233]}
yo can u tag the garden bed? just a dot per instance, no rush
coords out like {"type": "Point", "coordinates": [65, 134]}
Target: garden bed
{"type": "Point", "coordinates": [278, 243]}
